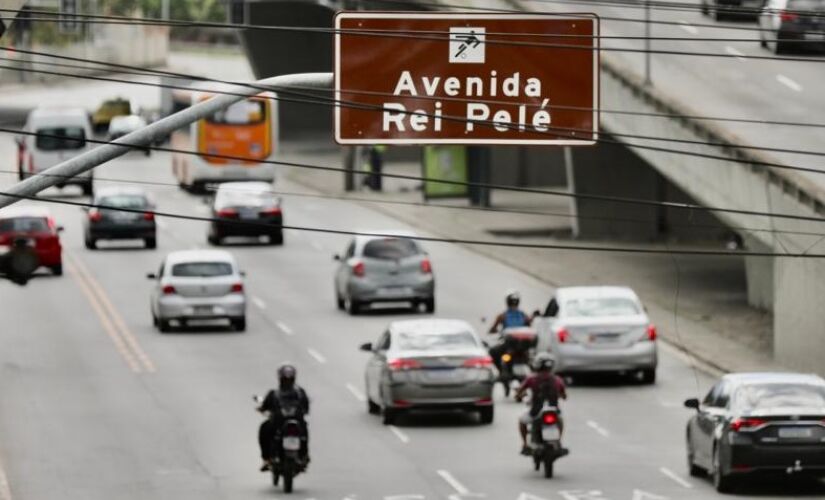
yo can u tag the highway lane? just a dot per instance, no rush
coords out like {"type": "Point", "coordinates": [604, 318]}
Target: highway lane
{"type": "Point", "coordinates": [187, 428]}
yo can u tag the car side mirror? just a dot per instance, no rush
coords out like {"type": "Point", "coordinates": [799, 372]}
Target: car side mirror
{"type": "Point", "coordinates": [485, 344]}
{"type": "Point", "coordinates": [60, 229]}
{"type": "Point", "coordinates": [242, 273]}
{"type": "Point", "coordinates": [336, 257]}
{"type": "Point", "coordinates": [366, 347]}
{"type": "Point", "coordinates": [692, 403]}
{"type": "Point", "coordinates": [151, 276]}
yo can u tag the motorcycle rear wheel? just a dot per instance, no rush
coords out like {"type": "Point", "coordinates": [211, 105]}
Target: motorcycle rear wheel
{"type": "Point", "coordinates": [548, 467]}
{"type": "Point", "coordinates": [276, 478]}
{"type": "Point", "coordinates": [288, 481]}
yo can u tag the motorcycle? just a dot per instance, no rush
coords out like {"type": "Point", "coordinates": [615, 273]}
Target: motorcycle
{"type": "Point", "coordinates": [545, 438]}
{"type": "Point", "coordinates": [288, 446]}
{"type": "Point", "coordinates": [519, 348]}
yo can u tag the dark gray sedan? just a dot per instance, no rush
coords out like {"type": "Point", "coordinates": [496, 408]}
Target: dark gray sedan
{"type": "Point", "coordinates": [793, 25]}
{"type": "Point", "coordinates": [137, 222]}
{"type": "Point", "coordinates": [429, 364]}
{"type": "Point", "coordinates": [758, 423]}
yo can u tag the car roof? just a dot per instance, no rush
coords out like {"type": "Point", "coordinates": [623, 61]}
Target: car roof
{"type": "Point", "coordinates": [573, 292]}
{"type": "Point", "coordinates": [117, 120]}
{"type": "Point", "coordinates": [748, 378]}
{"type": "Point", "coordinates": [182, 256]}
{"type": "Point", "coordinates": [24, 211]}
{"type": "Point", "coordinates": [430, 325]}
{"type": "Point", "coordinates": [58, 111]}
{"type": "Point", "coordinates": [116, 190]}
{"type": "Point", "coordinates": [364, 236]}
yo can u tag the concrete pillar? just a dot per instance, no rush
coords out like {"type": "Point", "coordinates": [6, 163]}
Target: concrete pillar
{"type": "Point", "coordinates": [759, 274]}
{"type": "Point", "coordinates": [799, 315]}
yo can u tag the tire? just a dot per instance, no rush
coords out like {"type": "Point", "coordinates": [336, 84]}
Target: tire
{"type": "Point", "coordinates": [91, 243]}
{"type": "Point", "coordinates": [239, 324]}
{"type": "Point", "coordinates": [649, 376]}
{"type": "Point", "coordinates": [276, 478]}
{"type": "Point", "coordinates": [373, 408]}
{"type": "Point", "coordinates": [548, 467]}
{"type": "Point", "coordinates": [164, 326]}
{"type": "Point", "coordinates": [721, 481]}
{"type": "Point", "coordinates": [88, 189]}
{"type": "Point", "coordinates": [155, 322]}
{"type": "Point", "coordinates": [288, 481]}
{"type": "Point", "coordinates": [352, 306]}
{"type": "Point", "coordinates": [339, 302]}
{"type": "Point", "coordinates": [213, 240]}
{"type": "Point", "coordinates": [429, 305]}
{"type": "Point", "coordinates": [486, 415]}
{"type": "Point", "coordinates": [277, 238]}
{"type": "Point", "coordinates": [536, 463]}
{"type": "Point", "coordinates": [151, 243]}
{"type": "Point", "coordinates": [57, 269]}
{"type": "Point", "coordinates": [389, 416]}
{"type": "Point", "coordinates": [693, 469]}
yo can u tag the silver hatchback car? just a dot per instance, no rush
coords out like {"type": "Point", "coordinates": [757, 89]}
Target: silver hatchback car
{"type": "Point", "coordinates": [429, 364]}
{"type": "Point", "coordinates": [198, 285]}
{"type": "Point", "coordinates": [599, 329]}
{"type": "Point", "coordinates": [384, 269]}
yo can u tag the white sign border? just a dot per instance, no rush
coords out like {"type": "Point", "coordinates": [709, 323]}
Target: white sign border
{"type": "Point", "coordinates": [447, 15]}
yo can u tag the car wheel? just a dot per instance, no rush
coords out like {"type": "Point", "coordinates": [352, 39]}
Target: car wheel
{"type": "Point", "coordinates": [486, 415]}
{"type": "Point", "coordinates": [91, 243]}
{"type": "Point", "coordinates": [373, 408]}
{"type": "Point", "coordinates": [155, 321]}
{"type": "Point", "coordinates": [548, 467]}
{"type": "Point", "coordinates": [649, 376]}
{"type": "Point", "coordinates": [57, 269]}
{"type": "Point", "coordinates": [213, 240]}
{"type": "Point", "coordinates": [276, 238]}
{"type": "Point", "coordinates": [352, 306]}
{"type": "Point", "coordinates": [693, 469]}
{"type": "Point", "coordinates": [721, 481]}
{"type": "Point", "coordinates": [239, 324]}
{"type": "Point", "coordinates": [429, 305]}
{"type": "Point", "coordinates": [390, 416]}
{"type": "Point", "coordinates": [151, 242]}
{"type": "Point", "coordinates": [339, 302]}
{"type": "Point", "coordinates": [164, 325]}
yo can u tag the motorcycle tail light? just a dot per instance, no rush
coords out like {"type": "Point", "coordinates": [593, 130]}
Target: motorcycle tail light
{"type": "Point", "coordinates": [549, 418]}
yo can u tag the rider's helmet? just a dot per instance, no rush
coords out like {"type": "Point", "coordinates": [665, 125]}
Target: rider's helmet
{"type": "Point", "coordinates": [286, 377]}
{"type": "Point", "coordinates": [513, 298]}
{"type": "Point", "coordinates": [544, 362]}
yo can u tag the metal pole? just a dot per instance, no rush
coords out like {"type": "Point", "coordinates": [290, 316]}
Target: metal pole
{"type": "Point", "coordinates": [648, 79]}
{"type": "Point", "coordinates": [161, 128]}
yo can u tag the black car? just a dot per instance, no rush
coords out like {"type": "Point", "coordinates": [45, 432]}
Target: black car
{"type": "Point", "coordinates": [137, 222]}
{"type": "Point", "coordinates": [793, 25]}
{"type": "Point", "coordinates": [731, 9]}
{"type": "Point", "coordinates": [247, 209]}
{"type": "Point", "coordinates": [758, 423]}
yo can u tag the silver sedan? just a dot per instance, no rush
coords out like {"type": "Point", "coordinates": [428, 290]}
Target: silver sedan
{"type": "Point", "coordinates": [429, 364]}
{"type": "Point", "coordinates": [599, 329]}
{"type": "Point", "coordinates": [198, 285]}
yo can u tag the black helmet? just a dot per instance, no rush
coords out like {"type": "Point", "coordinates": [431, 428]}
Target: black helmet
{"type": "Point", "coordinates": [286, 376]}
{"type": "Point", "coordinates": [544, 362]}
{"type": "Point", "coordinates": [513, 299]}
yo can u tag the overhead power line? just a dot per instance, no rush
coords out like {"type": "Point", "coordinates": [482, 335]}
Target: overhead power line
{"type": "Point", "coordinates": [460, 241]}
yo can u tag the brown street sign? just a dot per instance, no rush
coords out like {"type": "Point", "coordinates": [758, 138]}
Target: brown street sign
{"type": "Point", "coordinates": [463, 78]}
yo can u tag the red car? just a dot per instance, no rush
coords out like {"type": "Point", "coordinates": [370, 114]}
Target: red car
{"type": "Point", "coordinates": [37, 227]}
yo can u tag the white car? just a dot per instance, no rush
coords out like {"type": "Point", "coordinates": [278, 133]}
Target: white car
{"type": "Point", "coordinates": [198, 285]}
{"type": "Point", "coordinates": [599, 329]}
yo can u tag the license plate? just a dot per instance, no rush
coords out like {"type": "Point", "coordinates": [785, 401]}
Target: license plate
{"type": "Point", "coordinates": [203, 309]}
{"type": "Point", "coordinates": [815, 36]}
{"type": "Point", "coordinates": [521, 370]}
{"type": "Point", "coordinates": [598, 338]}
{"type": "Point", "coordinates": [550, 433]}
{"type": "Point", "coordinates": [796, 432]}
{"type": "Point", "coordinates": [291, 443]}
{"type": "Point", "coordinates": [249, 214]}
{"type": "Point", "coordinates": [441, 374]}
{"type": "Point", "coordinates": [398, 291]}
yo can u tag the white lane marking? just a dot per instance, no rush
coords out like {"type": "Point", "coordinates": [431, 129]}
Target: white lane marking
{"type": "Point", "coordinates": [675, 477]}
{"type": "Point", "coordinates": [738, 54]}
{"type": "Point", "coordinates": [355, 392]}
{"type": "Point", "coordinates": [316, 355]}
{"type": "Point", "coordinates": [317, 246]}
{"type": "Point", "coordinates": [598, 428]}
{"type": "Point", "coordinates": [5, 488]}
{"type": "Point", "coordinates": [453, 482]}
{"type": "Point", "coordinates": [399, 434]}
{"type": "Point", "coordinates": [284, 328]}
{"type": "Point", "coordinates": [784, 80]}
{"type": "Point", "coordinates": [688, 27]}
{"type": "Point", "coordinates": [259, 303]}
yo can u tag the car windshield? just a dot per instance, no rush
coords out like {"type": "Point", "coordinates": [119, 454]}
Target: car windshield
{"type": "Point", "coordinates": [228, 197]}
{"type": "Point", "coordinates": [452, 341]}
{"type": "Point", "coordinates": [24, 225]}
{"type": "Point", "coordinates": [58, 138]}
{"type": "Point", "coordinates": [767, 396]}
{"type": "Point", "coordinates": [390, 249]}
{"type": "Point", "coordinates": [600, 307]}
{"type": "Point", "coordinates": [241, 113]}
{"type": "Point", "coordinates": [131, 201]}
{"type": "Point", "coordinates": [202, 269]}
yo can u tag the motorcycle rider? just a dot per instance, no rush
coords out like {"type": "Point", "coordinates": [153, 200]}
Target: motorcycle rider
{"type": "Point", "coordinates": [288, 393]}
{"type": "Point", "coordinates": [512, 317]}
{"type": "Point", "coordinates": [546, 388]}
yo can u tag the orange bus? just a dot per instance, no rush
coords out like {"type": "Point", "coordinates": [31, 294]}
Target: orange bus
{"type": "Point", "coordinates": [231, 145]}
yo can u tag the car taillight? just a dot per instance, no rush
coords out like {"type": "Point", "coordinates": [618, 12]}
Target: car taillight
{"type": "Point", "coordinates": [650, 334]}
{"type": "Point", "coordinates": [549, 418]}
{"type": "Point", "coordinates": [148, 216]}
{"type": "Point", "coordinates": [95, 215]}
{"type": "Point", "coordinates": [403, 364]}
{"type": "Point", "coordinates": [426, 266]}
{"type": "Point", "coordinates": [358, 269]}
{"type": "Point", "coordinates": [563, 335]}
{"type": "Point", "coordinates": [237, 288]}
{"type": "Point", "coordinates": [5, 239]}
{"type": "Point", "coordinates": [271, 211]}
{"type": "Point", "coordinates": [480, 362]}
{"type": "Point", "coordinates": [746, 424]}
{"type": "Point", "coordinates": [168, 290]}
{"type": "Point", "coordinates": [228, 213]}
{"type": "Point", "coordinates": [786, 16]}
